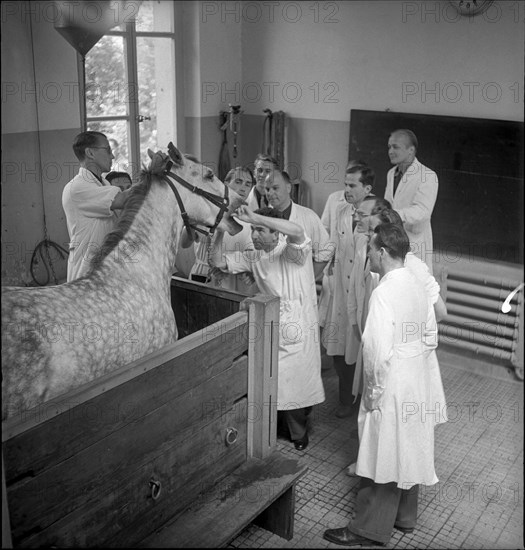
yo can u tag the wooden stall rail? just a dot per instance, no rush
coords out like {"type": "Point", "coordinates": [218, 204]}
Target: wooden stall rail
{"type": "Point", "coordinates": [186, 433]}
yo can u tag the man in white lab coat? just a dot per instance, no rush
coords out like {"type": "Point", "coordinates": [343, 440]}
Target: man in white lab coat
{"type": "Point", "coordinates": [412, 190]}
{"type": "Point", "coordinates": [281, 264]}
{"type": "Point", "coordinates": [335, 202]}
{"type": "Point", "coordinates": [90, 203]}
{"type": "Point", "coordinates": [396, 417]}
{"type": "Point", "coordinates": [359, 182]}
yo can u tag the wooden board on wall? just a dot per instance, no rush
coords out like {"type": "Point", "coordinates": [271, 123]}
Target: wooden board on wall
{"type": "Point", "coordinates": [479, 163]}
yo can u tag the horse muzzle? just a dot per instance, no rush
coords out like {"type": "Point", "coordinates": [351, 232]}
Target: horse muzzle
{"type": "Point", "coordinates": [229, 224]}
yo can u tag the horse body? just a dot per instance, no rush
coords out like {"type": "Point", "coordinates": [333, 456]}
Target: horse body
{"type": "Point", "coordinates": [57, 338]}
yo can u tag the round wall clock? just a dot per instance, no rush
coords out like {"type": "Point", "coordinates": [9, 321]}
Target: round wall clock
{"type": "Point", "coordinates": [471, 7]}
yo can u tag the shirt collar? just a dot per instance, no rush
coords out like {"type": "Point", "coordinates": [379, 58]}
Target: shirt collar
{"type": "Point", "coordinates": [287, 211]}
{"type": "Point", "coordinates": [89, 175]}
{"type": "Point", "coordinates": [398, 170]}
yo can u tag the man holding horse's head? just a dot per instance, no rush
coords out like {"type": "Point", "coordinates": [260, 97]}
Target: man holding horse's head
{"type": "Point", "coordinates": [90, 202]}
{"type": "Point", "coordinates": [281, 264]}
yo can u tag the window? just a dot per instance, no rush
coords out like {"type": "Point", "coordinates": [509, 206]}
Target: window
{"type": "Point", "coordinates": [130, 86]}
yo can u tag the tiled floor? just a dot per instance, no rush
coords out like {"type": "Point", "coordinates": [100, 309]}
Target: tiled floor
{"type": "Point", "coordinates": [478, 502]}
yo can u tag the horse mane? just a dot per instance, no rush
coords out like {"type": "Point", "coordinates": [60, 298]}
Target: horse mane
{"type": "Point", "coordinates": [134, 202]}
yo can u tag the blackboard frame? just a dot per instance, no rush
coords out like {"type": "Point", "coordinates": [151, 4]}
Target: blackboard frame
{"type": "Point", "coordinates": [479, 163]}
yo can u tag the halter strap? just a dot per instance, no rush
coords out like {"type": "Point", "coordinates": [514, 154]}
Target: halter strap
{"type": "Point", "coordinates": [222, 203]}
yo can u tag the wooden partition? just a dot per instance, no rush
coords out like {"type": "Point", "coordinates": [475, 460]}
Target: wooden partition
{"type": "Point", "coordinates": [197, 305]}
{"type": "Point", "coordinates": [110, 462]}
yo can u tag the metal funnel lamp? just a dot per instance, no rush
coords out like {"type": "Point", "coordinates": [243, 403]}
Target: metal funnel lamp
{"type": "Point", "coordinates": [83, 24]}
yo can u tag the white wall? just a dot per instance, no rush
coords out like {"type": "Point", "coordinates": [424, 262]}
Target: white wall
{"type": "Point", "coordinates": [314, 60]}
{"type": "Point", "coordinates": [40, 116]}
{"type": "Point", "coordinates": [385, 55]}
{"type": "Point", "coordinates": [318, 61]}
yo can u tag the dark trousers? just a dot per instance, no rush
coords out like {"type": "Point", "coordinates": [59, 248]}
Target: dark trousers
{"type": "Point", "coordinates": [345, 372]}
{"type": "Point", "coordinates": [296, 421]}
{"type": "Point", "coordinates": [379, 506]}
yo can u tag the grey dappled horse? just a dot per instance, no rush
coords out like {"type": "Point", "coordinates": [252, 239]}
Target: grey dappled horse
{"type": "Point", "coordinates": [59, 337]}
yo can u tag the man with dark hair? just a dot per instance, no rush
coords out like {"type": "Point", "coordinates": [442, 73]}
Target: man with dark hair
{"type": "Point", "coordinates": [373, 212]}
{"type": "Point", "coordinates": [396, 451]}
{"type": "Point", "coordinates": [335, 202]}
{"type": "Point", "coordinates": [89, 202]}
{"type": "Point", "coordinates": [264, 166]}
{"type": "Point", "coordinates": [282, 266]}
{"type": "Point", "coordinates": [359, 183]}
{"type": "Point", "coordinates": [412, 190]}
{"type": "Point", "coordinates": [355, 303]}
{"type": "Point", "coordinates": [122, 180]}
{"type": "Point", "coordinates": [241, 181]}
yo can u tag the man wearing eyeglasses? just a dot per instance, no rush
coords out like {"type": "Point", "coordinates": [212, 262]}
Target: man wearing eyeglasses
{"type": "Point", "coordinates": [89, 202]}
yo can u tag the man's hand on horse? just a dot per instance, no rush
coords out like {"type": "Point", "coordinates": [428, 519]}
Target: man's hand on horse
{"type": "Point", "coordinates": [245, 214]}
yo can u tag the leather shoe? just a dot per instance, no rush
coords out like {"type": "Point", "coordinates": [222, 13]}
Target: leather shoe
{"type": "Point", "coordinates": [301, 444]}
{"type": "Point", "coordinates": [345, 538]}
{"type": "Point", "coordinates": [404, 529]}
{"type": "Point", "coordinates": [350, 470]}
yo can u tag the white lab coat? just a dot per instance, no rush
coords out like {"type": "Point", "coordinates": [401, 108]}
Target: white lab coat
{"type": "Point", "coordinates": [336, 331]}
{"type": "Point", "coordinates": [396, 436]}
{"type": "Point", "coordinates": [363, 282]}
{"type": "Point", "coordinates": [322, 247]}
{"type": "Point", "coordinates": [287, 272]}
{"type": "Point", "coordinates": [414, 201]}
{"type": "Point", "coordinates": [328, 220]}
{"type": "Point", "coordinates": [87, 205]}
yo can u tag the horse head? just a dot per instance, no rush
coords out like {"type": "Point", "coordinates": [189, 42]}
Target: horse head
{"type": "Point", "coordinates": [203, 196]}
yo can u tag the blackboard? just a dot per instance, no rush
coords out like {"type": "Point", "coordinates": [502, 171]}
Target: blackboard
{"type": "Point", "coordinates": [479, 163]}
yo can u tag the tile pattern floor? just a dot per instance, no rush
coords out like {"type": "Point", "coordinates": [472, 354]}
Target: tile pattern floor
{"type": "Point", "coordinates": [478, 502]}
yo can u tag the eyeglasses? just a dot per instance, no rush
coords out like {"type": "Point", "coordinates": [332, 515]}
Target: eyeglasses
{"type": "Point", "coordinates": [108, 149]}
{"type": "Point", "coordinates": [361, 215]}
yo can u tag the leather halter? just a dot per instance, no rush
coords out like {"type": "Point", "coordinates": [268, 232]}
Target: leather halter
{"type": "Point", "coordinates": [222, 203]}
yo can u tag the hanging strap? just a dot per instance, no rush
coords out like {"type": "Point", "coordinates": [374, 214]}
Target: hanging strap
{"type": "Point", "coordinates": [279, 138]}
{"type": "Point", "coordinates": [235, 111]}
{"type": "Point", "coordinates": [267, 142]}
{"type": "Point", "coordinates": [224, 155]}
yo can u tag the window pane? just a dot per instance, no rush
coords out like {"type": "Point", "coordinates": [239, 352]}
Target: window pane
{"type": "Point", "coordinates": [106, 90]}
{"type": "Point", "coordinates": [155, 15]}
{"type": "Point", "coordinates": [155, 57]}
{"type": "Point", "coordinates": [117, 134]}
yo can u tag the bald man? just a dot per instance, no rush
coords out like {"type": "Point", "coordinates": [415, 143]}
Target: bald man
{"type": "Point", "coordinates": [412, 190]}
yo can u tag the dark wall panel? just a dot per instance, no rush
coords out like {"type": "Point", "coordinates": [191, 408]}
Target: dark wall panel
{"type": "Point", "coordinates": [479, 163]}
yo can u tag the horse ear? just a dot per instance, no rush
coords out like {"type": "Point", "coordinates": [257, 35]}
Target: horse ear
{"type": "Point", "coordinates": [158, 162]}
{"type": "Point", "coordinates": [175, 155]}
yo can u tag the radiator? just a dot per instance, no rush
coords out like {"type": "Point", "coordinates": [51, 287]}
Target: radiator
{"type": "Point", "coordinates": [475, 321]}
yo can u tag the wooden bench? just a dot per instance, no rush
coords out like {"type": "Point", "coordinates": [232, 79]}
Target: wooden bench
{"type": "Point", "coordinates": [176, 449]}
{"type": "Point", "coordinates": [260, 491]}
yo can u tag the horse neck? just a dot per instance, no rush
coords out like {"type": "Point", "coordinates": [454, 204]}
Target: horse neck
{"type": "Point", "coordinates": [148, 249]}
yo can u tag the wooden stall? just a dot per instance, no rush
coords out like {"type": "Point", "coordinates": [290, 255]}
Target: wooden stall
{"type": "Point", "coordinates": [174, 450]}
